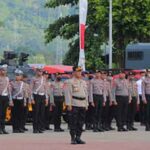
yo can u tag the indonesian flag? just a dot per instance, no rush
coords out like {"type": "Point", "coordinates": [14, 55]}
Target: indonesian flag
{"type": "Point", "coordinates": [83, 6]}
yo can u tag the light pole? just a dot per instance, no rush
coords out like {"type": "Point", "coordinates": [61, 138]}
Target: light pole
{"type": "Point", "coordinates": [110, 34]}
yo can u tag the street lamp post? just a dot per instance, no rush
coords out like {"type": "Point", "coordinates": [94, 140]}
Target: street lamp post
{"type": "Point", "coordinates": [110, 34]}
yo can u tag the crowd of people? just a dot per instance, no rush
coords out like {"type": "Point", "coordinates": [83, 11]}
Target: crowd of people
{"type": "Point", "coordinates": [93, 99]}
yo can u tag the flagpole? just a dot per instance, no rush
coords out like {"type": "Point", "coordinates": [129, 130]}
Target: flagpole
{"type": "Point", "coordinates": [110, 34]}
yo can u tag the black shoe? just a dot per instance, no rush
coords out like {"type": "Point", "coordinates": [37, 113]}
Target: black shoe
{"type": "Point", "coordinates": [124, 129]}
{"type": "Point", "coordinates": [40, 131]}
{"type": "Point", "coordinates": [111, 128]}
{"type": "Point", "coordinates": [21, 131]}
{"type": "Point", "coordinates": [5, 132]}
{"type": "Point", "coordinates": [147, 129]}
{"type": "Point", "coordinates": [134, 129]}
{"type": "Point", "coordinates": [95, 130]}
{"type": "Point", "coordinates": [1, 132]}
{"type": "Point", "coordinates": [73, 141]}
{"type": "Point", "coordinates": [129, 128]}
{"type": "Point", "coordinates": [79, 141]}
{"type": "Point", "coordinates": [100, 130]}
{"type": "Point", "coordinates": [48, 128]}
{"type": "Point", "coordinates": [25, 129]}
{"type": "Point", "coordinates": [35, 131]}
{"type": "Point", "coordinates": [16, 131]}
{"type": "Point", "coordinates": [58, 130]}
{"type": "Point", "coordinates": [120, 130]}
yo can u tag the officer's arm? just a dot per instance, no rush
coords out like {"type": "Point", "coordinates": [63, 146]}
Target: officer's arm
{"type": "Point", "coordinates": [114, 84]}
{"type": "Point", "coordinates": [68, 93]}
{"type": "Point", "coordinates": [91, 91]}
{"type": "Point", "coordinates": [143, 91]}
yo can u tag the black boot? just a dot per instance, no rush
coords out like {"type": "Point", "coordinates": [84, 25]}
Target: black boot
{"type": "Point", "coordinates": [73, 139]}
{"type": "Point", "coordinates": [1, 132]}
{"type": "Point", "coordinates": [147, 127]}
{"type": "Point", "coordinates": [95, 128]}
{"type": "Point", "coordinates": [79, 141]}
{"type": "Point", "coordinates": [4, 131]}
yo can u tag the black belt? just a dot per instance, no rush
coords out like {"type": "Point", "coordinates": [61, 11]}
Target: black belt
{"type": "Point", "coordinates": [79, 98]}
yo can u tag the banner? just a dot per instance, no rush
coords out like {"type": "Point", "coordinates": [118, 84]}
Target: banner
{"type": "Point", "coordinates": [83, 7]}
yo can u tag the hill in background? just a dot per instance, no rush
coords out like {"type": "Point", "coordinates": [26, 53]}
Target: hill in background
{"type": "Point", "coordinates": [22, 25]}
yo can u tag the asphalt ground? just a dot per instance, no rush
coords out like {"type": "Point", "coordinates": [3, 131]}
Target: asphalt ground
{"type": "Point", "coordinates": [50, 140]}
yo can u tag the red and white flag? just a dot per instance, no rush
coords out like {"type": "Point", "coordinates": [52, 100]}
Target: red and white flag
{"type": "Point", "coordinates": [83, 8]}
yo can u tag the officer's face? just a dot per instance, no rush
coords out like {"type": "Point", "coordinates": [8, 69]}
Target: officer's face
{"type": "Point", "coordinates": [46, 76]}
{"type": "Point", "coordinates": [104, 76]}
{"type": "Point", "coordinates": [19, 77]}
{"type": "Point", "coordinates": [39, 72]}
{"type": "Point", "coordinates": [78, 74]}
{"type": "Point", "coordinates": [122, 75]}
{"type": "Point", "coordinates": [98, 75]}
{"type": "Point", "coordinates": [3, 72]}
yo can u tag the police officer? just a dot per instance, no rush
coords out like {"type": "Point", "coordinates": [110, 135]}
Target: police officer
{"type": "Point", "coordinates": [97, 97]}
{"type": "Point", "coordinates": [77, 102]}
{"type": "Point", "coordinates": [28, 98]}
{"type": "Point", "coordinates": [107, 86]}
{"type": "Point", "coordinates": [122, 97]}
{"type": "Point", "coordinates": [134, 102]}
{"type": "Point", "coordinates": [146, 98]}
{"type": "Point", "coordinates": [142, 106]}
{"type": "Point", "coordinates": [4, 97]}
{"type": "Point", "coordinates": [39, 100]}
{"type": "Point", "coordinates": [18, 92]}
{"type": "Point", "coordinates": [58, 94]}
{"type": "Point", "coordinates": [50, 101]}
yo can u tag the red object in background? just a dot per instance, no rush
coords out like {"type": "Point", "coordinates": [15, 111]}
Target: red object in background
{"type": "Point", "coordinates": [57, 69]}
{"type": "Point", "coordinates": [82, 36]}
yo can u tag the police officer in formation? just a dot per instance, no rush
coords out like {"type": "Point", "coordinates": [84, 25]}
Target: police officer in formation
{"type": "Point", "coordinates": [104, 97]}
{"type": "Point", "coordinates": [19, 100]}
{"type": "Point", "coordinates": [39, 100]}
{"type": "Point", "coordinates": [122, 97]}
{"type": "Point", "coordinates": [146, 98]}
{"type": "Point", "coordinates": [5, 97]}
{"type": "Point", "coordinates": [57, 88]}
{"type": "Point", "coordinates": [132, 106]}
{"type": "Point", "coordinates": [97, 97]}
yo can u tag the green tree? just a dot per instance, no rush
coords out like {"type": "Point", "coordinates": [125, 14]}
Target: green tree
{"type": "Point", "coordinates": [131, 22]}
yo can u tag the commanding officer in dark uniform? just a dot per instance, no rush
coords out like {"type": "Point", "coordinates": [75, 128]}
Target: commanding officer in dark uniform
{"type": "Point", "coordinates": [146, 98]}
{"type": "Point", "coordinates": [18, 92]}
{"type": "Point", "coordinates": [39, 100]}
{"type": "Point", "coordinates": [134, 102]}
{"type": "Point", "coordinates": [97, 97]}
{"type": "Point", "coordinates": [121, 94]}
{"type": "Point", "coordinates": [76, 97]}
{"type": "Point", "coordinates": [58, 94]}
{"type": "Point", "coordinates": [4, 97]}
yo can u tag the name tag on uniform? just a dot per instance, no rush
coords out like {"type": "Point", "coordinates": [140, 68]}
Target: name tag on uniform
{"type": "Point", "coordinates": [19, 97]}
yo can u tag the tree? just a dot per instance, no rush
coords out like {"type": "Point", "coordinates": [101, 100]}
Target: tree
{"type": "Point", "coordinates": [131, 22]}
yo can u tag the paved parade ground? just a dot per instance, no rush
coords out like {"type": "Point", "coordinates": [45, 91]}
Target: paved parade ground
{"type": "Point", "coordinates": [50, 140]}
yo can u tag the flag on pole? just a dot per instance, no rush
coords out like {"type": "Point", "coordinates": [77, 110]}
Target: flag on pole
{"type": "Point", "coordinates": [83, 7]}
